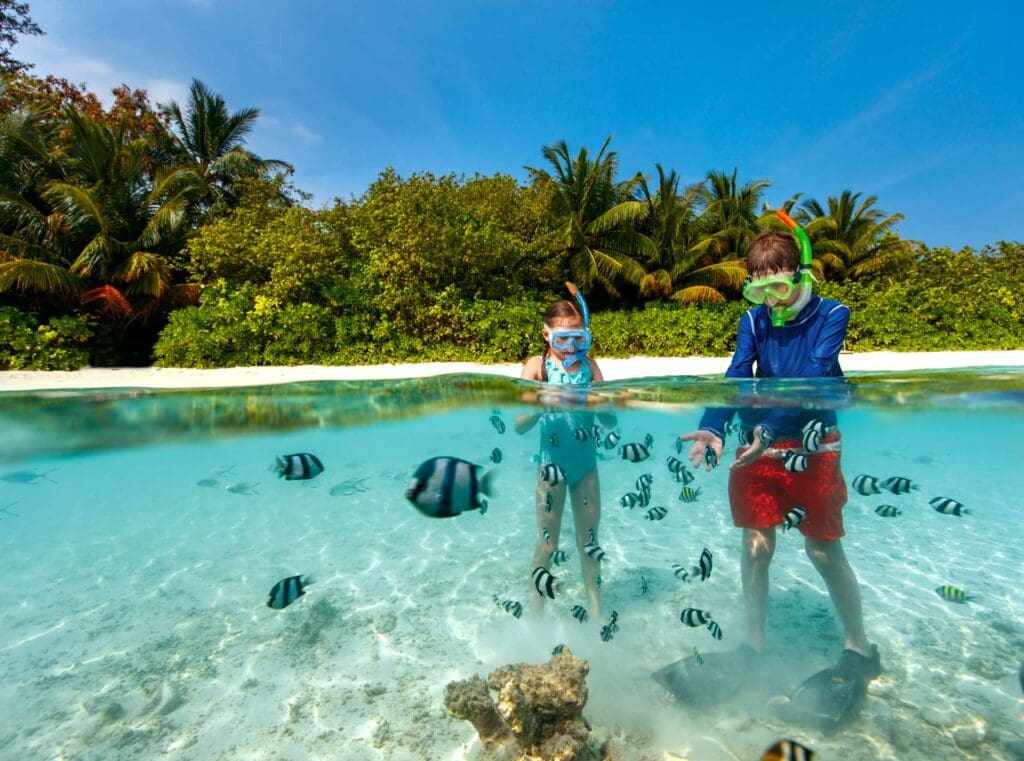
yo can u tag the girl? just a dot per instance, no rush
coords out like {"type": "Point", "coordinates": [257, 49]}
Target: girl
{"type": "Point", "coordinates": [567, 441]}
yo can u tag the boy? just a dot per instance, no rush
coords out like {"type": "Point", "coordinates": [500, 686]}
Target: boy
{"type": "Point", "coordinates": [790, 334]}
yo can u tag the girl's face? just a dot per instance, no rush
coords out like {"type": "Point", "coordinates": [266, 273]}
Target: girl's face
{"type": "Point", "coordinates": [560, 323]}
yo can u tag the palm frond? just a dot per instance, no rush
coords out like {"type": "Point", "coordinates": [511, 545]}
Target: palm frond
{"type": "Point", "coordinates": [41, 277]}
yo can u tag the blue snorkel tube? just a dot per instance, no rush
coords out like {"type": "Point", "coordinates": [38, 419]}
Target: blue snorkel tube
{"type": "Point", "coordinates": [571, 359]}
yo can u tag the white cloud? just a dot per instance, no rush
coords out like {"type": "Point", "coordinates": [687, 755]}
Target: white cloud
{"type": "Point", "coordinates": [305, 134]}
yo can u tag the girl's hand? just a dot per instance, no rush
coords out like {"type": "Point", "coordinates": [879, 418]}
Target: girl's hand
{"type": "Point", "coordinates": [702, 440]}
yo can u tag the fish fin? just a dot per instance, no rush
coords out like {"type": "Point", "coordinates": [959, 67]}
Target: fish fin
{"type": "Point", "coordinates": [307, 580]}
{"type": "Point", "coordinates": [487, 483]}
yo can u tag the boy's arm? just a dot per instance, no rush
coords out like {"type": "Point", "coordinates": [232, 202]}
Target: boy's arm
{"type": "Point", "coordinates": [819, 364]}
{"type": "Point", "coordinates": [742, 366]}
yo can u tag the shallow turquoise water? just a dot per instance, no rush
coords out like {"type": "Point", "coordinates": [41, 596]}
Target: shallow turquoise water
{"type": "Point", "coordinates": [135, 623]}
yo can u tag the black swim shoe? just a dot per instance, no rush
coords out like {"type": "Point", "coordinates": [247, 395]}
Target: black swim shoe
{"type": "Point", "coordinates": [716, 677]}
{"type": "Point", "coordinates": [854, 664]}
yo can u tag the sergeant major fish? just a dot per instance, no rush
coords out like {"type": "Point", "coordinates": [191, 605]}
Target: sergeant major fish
{"type": "Point", "coordinates": [557, 557]}
{"type": "Point", "coordinates": [952, 594]}
{"type": "Point", "coordinates": [695, 617]}
{"type": "Point", "coordinates": [888, 511]}
{"type": "Point", "coordinates": [511, 606]}
{"type": "Point", "coordinates": [689, 495]}
{"type": "Point", "coordinates": [899, 485]}
{"type": "Point", "coordinates": [794, 462]}
{"type": "Point", "coordinates": [594, 551]}
{"type": "Point", "coordinates": [656, 513]}
{"type": "Point", "coordinates": [495, 456]}
{"type": "Point", "coordinates": [629, 500]}
{"type": "Point", "coordinates": [715, 629]}
{"type": "Point", "coordinates": [443, 487]}
{"type": "Point", "coordinates": [866, 485]}
{"type": "Point", "coordinates": [705, 564]}
{"type": "Point", "coordinates": [579, 613]}
{"type": "Point", "coordinates": [612, 440]}
{"type": "Point", "coordinates": [948, 506]}
{"type": "Point", "coordinates": [634, 452]}
{"type": "Point", "coordinates": [793, 518]}
{"type": "Point", "coordinates": [497, 422]}
{"type": "Point", "coordinates": [544, 582]}
{"type": "Point", "coordinates": [553, 474]}
{"type": "Point", "coordinates": [298, 467]}
{"type": "Point", "coordinates": [287, 591]}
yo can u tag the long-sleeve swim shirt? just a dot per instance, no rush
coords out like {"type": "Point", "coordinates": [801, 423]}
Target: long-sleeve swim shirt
{"type": "Point", "coordinates": [808, 347]}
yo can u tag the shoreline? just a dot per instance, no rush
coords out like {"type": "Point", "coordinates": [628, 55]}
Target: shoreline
{"type": "Point", "coordinates": [613, 369]}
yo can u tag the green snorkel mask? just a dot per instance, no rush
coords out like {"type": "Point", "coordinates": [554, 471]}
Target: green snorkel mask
{"type": "Point", "coordinates": [782, 287]}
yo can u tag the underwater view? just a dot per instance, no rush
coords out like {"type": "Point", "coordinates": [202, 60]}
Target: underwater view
{"type": "Point", "coordinates": [301, 571]}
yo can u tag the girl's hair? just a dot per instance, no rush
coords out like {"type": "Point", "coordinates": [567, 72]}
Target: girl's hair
{"type": "Point", "coordinates": [558, 310]}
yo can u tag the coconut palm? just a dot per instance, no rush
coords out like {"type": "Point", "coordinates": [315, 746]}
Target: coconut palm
{"type": "Point", "coordinates": [595, 217]}
{"type": "Point", "coordinates": [854, 239]}
{"type": "Point", "coordinates": [676, 271]}
{"type": "Point", "coordinates": [730, 217]}
{"type": "Point", "coordinates": [210, 141]}
{"type": "Point", "coordinates": [118, 219]}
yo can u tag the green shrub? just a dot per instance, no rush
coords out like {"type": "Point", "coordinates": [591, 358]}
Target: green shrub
{"type": "Point", "coordinates": [27, 344]}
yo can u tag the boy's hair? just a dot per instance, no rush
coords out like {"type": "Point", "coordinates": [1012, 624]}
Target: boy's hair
{"type": "Point", "coordinates": [772, 252]}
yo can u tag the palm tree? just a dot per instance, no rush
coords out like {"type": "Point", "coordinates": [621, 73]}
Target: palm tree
{"type": "Point", "coordinates": [730, 216]}
{"type": "Point", "coordinates": [105, 227]}
{"type": "Point", "coordinates": [210, 140]}
{"type": "Point", "coordinates": [676, 271]}
{"type": "Point", "coordinates": [595, 217]}
{"type": "Point", "coordinates": [854, 240]}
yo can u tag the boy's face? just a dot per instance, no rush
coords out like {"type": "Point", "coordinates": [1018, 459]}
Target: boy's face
{"type": "Point", "coordinates": [772, 300]}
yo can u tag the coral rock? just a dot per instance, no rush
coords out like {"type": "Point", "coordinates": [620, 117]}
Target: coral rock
{"type": "Point", "coordinates": [539, 708]}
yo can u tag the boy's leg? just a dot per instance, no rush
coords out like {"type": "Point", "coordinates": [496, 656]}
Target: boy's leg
{"type": "Point", "coordinates": [586, 515]}
{"type": "Point", "coordinates": [830, 560]}
{"type": "Point", "coordinates": [549, 518]}
{"type": "Point", "coordinates": [756, 556]}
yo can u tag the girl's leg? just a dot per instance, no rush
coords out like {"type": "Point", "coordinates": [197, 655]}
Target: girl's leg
{"type": "Point", "coordinates": [586, 516]}
{"type": "Point", "coordinates": [550, 505]}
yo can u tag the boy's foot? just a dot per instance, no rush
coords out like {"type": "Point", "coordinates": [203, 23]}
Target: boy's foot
{"type": "Point", "coordinates": [833, 697]}
{"type": "Point", "coordinates": [704, 682]}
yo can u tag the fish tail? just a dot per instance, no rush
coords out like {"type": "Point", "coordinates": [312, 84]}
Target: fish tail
{"type": "Point", "coordinates": [307, 580]}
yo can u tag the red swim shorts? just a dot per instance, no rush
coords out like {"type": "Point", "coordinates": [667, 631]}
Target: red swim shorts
{"type": "Point", "coordinates": [762, 493]}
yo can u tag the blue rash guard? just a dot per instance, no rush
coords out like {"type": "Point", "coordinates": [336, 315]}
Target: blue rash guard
{"type": "Point", "coordinates": [808, 347]}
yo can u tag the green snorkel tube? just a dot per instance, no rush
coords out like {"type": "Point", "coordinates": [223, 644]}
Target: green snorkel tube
{"type": "Point", "coordinates": [782, 314]}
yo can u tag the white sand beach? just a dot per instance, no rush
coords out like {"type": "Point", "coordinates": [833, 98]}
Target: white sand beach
{"type": "Point", "coordinates": [613, 369]}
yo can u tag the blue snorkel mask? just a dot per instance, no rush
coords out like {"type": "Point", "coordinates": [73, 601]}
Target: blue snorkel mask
{"type": "Point", "coordinates": [573, 343]}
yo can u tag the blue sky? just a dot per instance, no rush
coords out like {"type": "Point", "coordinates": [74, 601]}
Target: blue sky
{"type": "Point", "coordinates": [918, 103]}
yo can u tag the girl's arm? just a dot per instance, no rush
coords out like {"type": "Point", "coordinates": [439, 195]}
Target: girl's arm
{"type": "Point", "coordinates": [532, 372]}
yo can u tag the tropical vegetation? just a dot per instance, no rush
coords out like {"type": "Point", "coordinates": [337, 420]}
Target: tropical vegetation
{"type": "Point", "coordinates": [137, 232]}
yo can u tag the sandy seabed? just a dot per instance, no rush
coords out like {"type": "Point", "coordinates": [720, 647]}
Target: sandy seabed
{"type": "Point", "coordinates": [613, 369]}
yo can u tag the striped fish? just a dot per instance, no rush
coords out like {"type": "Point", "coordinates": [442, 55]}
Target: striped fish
{"type": "Point", "coordinates": [648, 441]}
{"type": "Point", "coordinates": [952, 594]}
{"type": "Point", "coordinates": [887, 511]}
{"type": "Point", "coordinates": [594, 551]}
{"type": "Point", "coordinates": [794, 462]}
{"type": "Point", "coordinates": [813, 430]}
{"type": "Point", "coordinates": [689, 495]}
{"type": "Point", "coordinates": [710, 458]}
{"type": "Point", "coordinates": [553, 474]}
{"type": "Point", "coordinates": [866, 485]}
{"type": "Point", "coordinates": [612, 440]}
{"type": "Point", "coordinates": [544, 582]}
{"type": "Point", "coordinates": [948, 506]}
{"type": "Point", "coordinates": [497, 422]}
{"type": "Point", "coordinates": [695, 617]}
{"type": "Point", "coordinates": [549, 502]}
{"type": "Point", "coordinates": [557, 557]}
{"type": "Point", "coordinates": [495, 455]}
{"type": "Point", "coordinates": [287, 591]}
{"type": "Point", "coordinates": [793, 518]}
{"type": "Point", "coordinates": [656, 513]}
{"type": "Point", "coordinates": [298, 467]}
{"type": "Point", "coordinates": [715, 629]}
{"type": "Point", "coordinates": [511, 606]}
{"type": "Point", "coordinates": [705, 565]}
{"type": "Point", "coordinates": [684, 477]}
{"type": "Point", "coordinates": [629, 500]}
{"type": "Point", "coordinates": [674, 464]}
{"type": "Point", "coordinates": [682, 573]}
{"type": "Point", "coordinates": [580, 613]}
{"type": "Point", "coordinates": [898, 485]}
{"type": "Point", "coordinates": [634, 452]}
{"type": "Point", "coordinates": [644, 481]}
{"type": "Point", "coordinates": [788, 750]}
{"type": "Point", "coordinates": [547, 536]}
{"type": "Point", "coordinates": [581, 434]}
{"type": "Point", "coordinates": [644, 498]}
{"type": "Point", "coordinates": [443, 487]}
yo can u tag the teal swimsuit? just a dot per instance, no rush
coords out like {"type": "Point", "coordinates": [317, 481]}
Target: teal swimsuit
{"type": "Point", "coordinates": [559, 441]}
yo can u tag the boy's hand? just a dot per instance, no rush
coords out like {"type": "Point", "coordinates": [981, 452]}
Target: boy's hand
{"type": "Point", "coordinates": [751, 453]}
{"type": "Point", "coordinates": [702, 440]}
